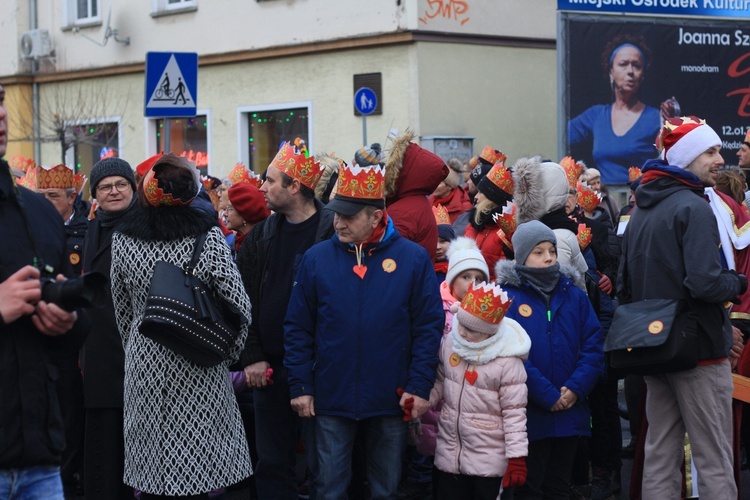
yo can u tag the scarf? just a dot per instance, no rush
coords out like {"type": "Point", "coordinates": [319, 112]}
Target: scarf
{"type": "Point", "coordinates": [544, 279]}
{"type": "Point", "coordinates": [445, 201]}
{"type": "Point", "coordinates": [558, 219]}
{"type": "Point", "coordinates": [655, 169]}
{"type": "Point", "coordinates": [441, 267]}
{"type": "Point", "coordinates": [475, 352]}
{"type": "Point", "coordinates": [109, 219]}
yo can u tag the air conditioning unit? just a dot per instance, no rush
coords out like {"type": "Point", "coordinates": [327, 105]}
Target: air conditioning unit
{"type": "Point", "coordinates": [35, 44]}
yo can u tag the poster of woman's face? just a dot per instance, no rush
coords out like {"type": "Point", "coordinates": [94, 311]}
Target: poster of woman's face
{"type": "Point", "coordinates": [623, 78]}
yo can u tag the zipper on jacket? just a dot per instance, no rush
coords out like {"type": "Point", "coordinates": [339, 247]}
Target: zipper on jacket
{"type": "Point", "coordinates": [458, 420]}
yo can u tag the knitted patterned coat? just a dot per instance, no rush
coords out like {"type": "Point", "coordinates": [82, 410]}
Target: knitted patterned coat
{"type": "Point", "coordinates": [183, 431]}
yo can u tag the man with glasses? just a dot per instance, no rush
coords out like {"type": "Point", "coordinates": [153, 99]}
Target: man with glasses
{"type": "Point", "coordinates": [103, 358]}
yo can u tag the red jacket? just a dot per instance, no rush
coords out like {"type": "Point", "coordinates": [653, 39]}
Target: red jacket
{"type": "Point", "coordinates": [489, 244]}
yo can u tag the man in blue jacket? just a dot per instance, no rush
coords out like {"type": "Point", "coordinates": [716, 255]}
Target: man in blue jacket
{"type": "Point", "coordinates": [362, 333]}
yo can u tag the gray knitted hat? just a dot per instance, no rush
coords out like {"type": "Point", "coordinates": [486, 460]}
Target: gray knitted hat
{"type": "Point", "coordinates": [527, 236]}
{"type": "Point", "coordinates": [110, 166]}
{"type": "Point", "coordinates": [368, 155]}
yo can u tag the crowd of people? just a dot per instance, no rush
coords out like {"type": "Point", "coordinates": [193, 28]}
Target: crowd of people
{"type": "Point", "coordinates": [410, 331]}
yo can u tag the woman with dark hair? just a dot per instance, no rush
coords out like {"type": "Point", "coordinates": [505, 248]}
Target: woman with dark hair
{"type": "Point", "coordinates": [622, 133]}
{"type": "Point", "coordinates": [183, 432]}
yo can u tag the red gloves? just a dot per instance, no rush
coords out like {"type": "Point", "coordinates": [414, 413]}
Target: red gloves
{"type": "Point", "coordinates": [408, 405]}
{"type": "Point", "coordinates": [515, 474]}
{"type": "Point", "coordinates": [605, 284]}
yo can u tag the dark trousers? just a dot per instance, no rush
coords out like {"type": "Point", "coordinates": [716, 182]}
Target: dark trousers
{"type": "Point", "coordinates": [605, 444]}
{"type": "Point", "coordinates": [104, 455]}
{"type": "Point", "coordinates": [549, 465]}
{"type": "Point", "coordinates": [452, 486]}
{"type": "Point", "coordinates": [277, 431]}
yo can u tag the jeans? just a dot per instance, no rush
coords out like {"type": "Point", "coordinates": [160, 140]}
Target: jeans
{"type": "Point", "coordinates": [385, 440]}
{"type": "Point", "coordinates": [277, 428]}
{"type": "Point", "coordinates": [31, 483]}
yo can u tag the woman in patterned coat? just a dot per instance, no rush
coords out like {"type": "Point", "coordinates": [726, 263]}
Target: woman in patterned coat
{"type": "Point", "coordinates": [183, 432]}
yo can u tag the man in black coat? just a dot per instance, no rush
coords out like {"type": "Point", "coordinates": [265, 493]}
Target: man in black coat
{"type": "Point", "coordinates": [31, 330]}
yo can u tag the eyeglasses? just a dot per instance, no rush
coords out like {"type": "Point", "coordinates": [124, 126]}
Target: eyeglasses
{"type": "Point", "coordinates": [120, 186]}
{"type": "Point", "coordinates": [229, 209]}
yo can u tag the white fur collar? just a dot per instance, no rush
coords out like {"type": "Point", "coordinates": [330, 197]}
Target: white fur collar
{"type": "Point", "coordinates": [511, 340]}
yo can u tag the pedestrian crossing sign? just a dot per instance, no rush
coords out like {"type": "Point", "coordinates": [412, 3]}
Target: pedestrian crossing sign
{"type": "Point", "coordinates": [171, 84]}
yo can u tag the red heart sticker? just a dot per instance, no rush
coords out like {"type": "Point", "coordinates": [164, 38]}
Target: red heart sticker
{"type": "Point", "coordinates": [360, 271]}
{"type": "Point", "coordinates": [471, 376]}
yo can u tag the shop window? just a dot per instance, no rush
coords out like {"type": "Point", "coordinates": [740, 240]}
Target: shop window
{"type": "Point", "coordinates": [268, 129]}
{"type": "Point", "coordinates": [188, 137]}
{"type": "Point", "coordinates": [90, 142]}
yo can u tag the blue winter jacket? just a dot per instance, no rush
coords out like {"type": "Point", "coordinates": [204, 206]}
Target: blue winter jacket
{"type": "Point", "coordinates": [351, 342]}
{"type": "Point", "coordinates": [566, 350]}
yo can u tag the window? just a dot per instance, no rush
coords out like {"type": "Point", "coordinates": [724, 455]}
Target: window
{"type": "Point", "coordinates": [263, 130]}
{"type": "Point", "coordinates": [82, 12]}
{"type": "Point", "coordinates": [90, 142]}
{"type": "Point", "coordinates": [167, 7]}
{"type": "Point", "coordinates": [187, 137]}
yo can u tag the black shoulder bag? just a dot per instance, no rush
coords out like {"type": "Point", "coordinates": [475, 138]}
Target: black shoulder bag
{"type": "Point", "coordinates": [186, 316]}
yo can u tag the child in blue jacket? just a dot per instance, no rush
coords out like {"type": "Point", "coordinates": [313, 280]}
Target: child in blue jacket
{"type": "Point", "coordinates": [565, 359]}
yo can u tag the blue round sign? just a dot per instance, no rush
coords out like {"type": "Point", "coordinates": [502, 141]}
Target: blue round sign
{"type": "Point", "coordinates": [365, 100]}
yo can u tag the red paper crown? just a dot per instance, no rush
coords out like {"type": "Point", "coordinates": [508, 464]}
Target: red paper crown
{"type": "Point", "coordinates": [492, 155]}
{"type": "Point", "coordinates": [634, 173]}
{"type": "Point", "coordinates": [573, 170]}
{"type": "Point", "coordinates": [298, 166]}
{"type": "Point", "coordinates": [441, 215]}
{"type": "Point", "coordinates": [588, 199]}
{"type": "Point", "coordinates": [28, 180]}
{"type": "Point", "coordinates": [238, 174]}
{"type": "Point", "coordinates": [584, 236]}
{"type": "Point", "coordinates": [487, 302]}
{"type": "Point", "coordinates": [364, 183]}
{"type": "Point", "coordinates": [501, 177]}
{"type": "Point", "coordinates": [506, 220]}
{"type": "Point", "coordinates": [79, 180]}
{"type": "Point", "coordinates": [57, 177]}
{"type": "Point", "coordinates": [22, 163]}
{"type": "Point", "coordinates": [155, 195]}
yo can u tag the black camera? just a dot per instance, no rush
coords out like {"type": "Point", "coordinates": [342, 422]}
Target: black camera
{"type": "Point", "coordinates": [88, 290]}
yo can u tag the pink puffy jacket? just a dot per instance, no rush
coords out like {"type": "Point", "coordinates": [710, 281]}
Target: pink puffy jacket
{"type": "Point", "coordinates": [482, 425]}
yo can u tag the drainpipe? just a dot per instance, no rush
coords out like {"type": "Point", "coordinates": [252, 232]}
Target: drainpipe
{"type": "Point", "coordinates": [35, 88]}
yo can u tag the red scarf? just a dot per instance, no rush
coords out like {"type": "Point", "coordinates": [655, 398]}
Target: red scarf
{"type": "Point", "coordinates": [441, 267]}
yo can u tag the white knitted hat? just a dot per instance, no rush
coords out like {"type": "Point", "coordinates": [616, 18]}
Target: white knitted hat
{"type": "Point", "coordinates": [464, 254]}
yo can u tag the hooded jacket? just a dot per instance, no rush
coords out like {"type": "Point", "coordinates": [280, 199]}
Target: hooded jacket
{"type": "Point", "coordinates": [411, 175]}
{"type": "Point", "coordinates": [671, 251]}
{"type": "Point", "coordinates": [351, 342]}
{"type": "Point", "coordinates": [566, 350]}
{"type": "Point", "coordinates": [482, 424]}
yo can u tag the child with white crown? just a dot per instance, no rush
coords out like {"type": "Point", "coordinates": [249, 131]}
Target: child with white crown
{"type": "Point", "coordinates": [481, 443]}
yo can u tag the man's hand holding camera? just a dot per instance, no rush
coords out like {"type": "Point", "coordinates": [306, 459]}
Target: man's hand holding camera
{"type": "Point", "coordinates": [21, 295]}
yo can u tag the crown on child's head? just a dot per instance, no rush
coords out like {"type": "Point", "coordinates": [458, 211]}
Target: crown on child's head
{"type": "Point", "coordinates": [573, 170]}
{"type": "Point", "coordinates": [298, 166]}
{"type": "Point", "coordinates": [487, 302]}
{"type": "Point", "coordinates": [588, 199]}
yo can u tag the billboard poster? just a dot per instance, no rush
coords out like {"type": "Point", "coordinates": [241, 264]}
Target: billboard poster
{"type": "Point", "coordinates": [622, 77]}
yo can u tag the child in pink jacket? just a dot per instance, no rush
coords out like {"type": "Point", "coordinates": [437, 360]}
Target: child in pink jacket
{"type": "Point", "coordinates": [481, 442]}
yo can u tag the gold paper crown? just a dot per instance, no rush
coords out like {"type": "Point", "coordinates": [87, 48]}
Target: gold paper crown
{"type": "Point", "coordinates": [487, 302]}
{"type": "Point", "coordinates": [588, 199]}
{"type": "Point", "coordinates": [441, 215]}
{"type": "Point", "coordinates": [584, 236]}
{"type": "Point", "coordinates": [364, 183]}
{"type": "Point", "coordinates": [633, 173]}
{"type": "Point", "coordinates": [298, 166]}
{"type": "Point", "coordinates": [573, 170]}
{"type": "Point", "coordinates": [57, 177]}
{"type": "Point", "coordinates": [492, 155]}
{"type": "Point", "coordinates": [501, 177]}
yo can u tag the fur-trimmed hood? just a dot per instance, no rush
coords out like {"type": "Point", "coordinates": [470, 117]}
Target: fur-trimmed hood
{"type": "Point", "coordinates": [540, 188]}
{"type": "Point", "coordinates": [166, 223]}
{"type": "Point", "coordinates": [411, 169]}
{"type": "Point", "coordinates": [505, 274]}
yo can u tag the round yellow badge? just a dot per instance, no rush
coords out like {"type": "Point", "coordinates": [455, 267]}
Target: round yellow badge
{"type": "Point", "coordinates": [655, 327]}
{"type": "Point", "coordinates": [75, 258]}
{"type": "Point", "coordinates": [524, 310]}
{"type": "Point", "coordinates": [455, 359]}
{"type": "Point", "coordinates": [389, 265]}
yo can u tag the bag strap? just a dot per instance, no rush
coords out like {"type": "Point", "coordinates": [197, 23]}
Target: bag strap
{"type": "Point", "coordinates": [199, 241]}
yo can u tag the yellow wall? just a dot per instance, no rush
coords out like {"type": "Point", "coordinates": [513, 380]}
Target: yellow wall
{"type": "Point", "coordinates": [18, 105]}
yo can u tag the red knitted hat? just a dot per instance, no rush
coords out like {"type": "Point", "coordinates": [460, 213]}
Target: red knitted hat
{"type": "Point", "coordinates": [249, 202]}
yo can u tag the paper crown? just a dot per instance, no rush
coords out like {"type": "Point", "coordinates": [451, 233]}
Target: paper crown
{"type": "Point", "coordinates": [634, 173]}
{"type": "Point", "coordinates": [486, 302]}
{"type": "Point", "coordinates": [573, 170]}
{"type": "Point", "coordinates": [144, 166]}
{"type": "Point", "coordinates": [22, 163]}
{"type": "Point", "coordinates": [155, 196]}
{"type": "Point", "coordinates": [584, 236]}
{"type": "Point", "coordinates": [28, 180]}
{"type": "Point", "coordinates": [492, 155]}
{"type": "Point", "coordinates": [362, 183]}
{"type": "Point", "coordinates": [79, 181]}
{"type": "Point", "coordinates": [210, 183]}
{"type": "Point", "coordinates": [588, 199]}
{"type": "Point", "coordinates": [506, 222]}
{"type": "Point", "coordinates": [298, 166]}
{"type": "Point", "coordinates": [240, 173]}
{"type": "Point", "coordinates": [501, 177]}
{"type": "Point", "coordinates": [57, 177]}
{"type": "Point", "coordinates": [441, 215]}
